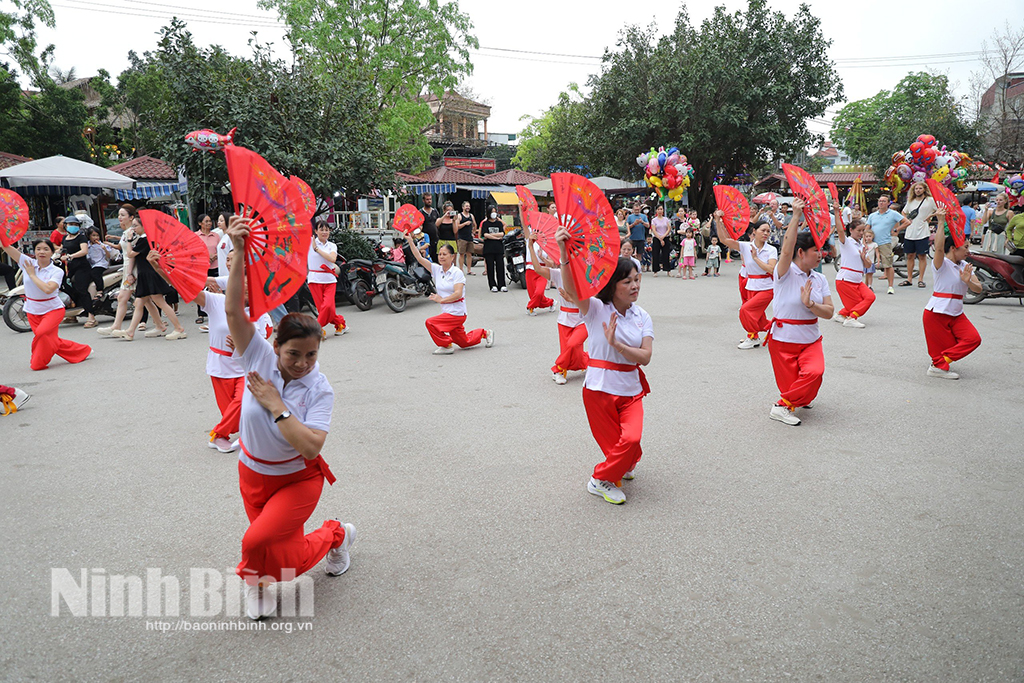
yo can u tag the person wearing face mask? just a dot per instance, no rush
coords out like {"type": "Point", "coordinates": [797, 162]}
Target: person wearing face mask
{"type": "Point", "coordinates": [492, 231]}
{"type": "Point", "coordinates": [75, 256]}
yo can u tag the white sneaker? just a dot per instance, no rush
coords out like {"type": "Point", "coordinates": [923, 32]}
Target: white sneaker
{"type": "Point", "coordinates": [748, 343]}
{"type": "Point", "coordinates": [853, 322]}
{"type": "Point", "coordinates": [943, 374]}
{"type": "Point", "coordinates": [607, 490]}
{"type": "Point", "coordinates": [338, 332]}
{"type": "Point", "coordinates": [784, 415]}
{"type": "Point", "coordinates": [176, 335]}
{"type": "Point", "coordinates": [155, 332]}
{"type": "Point", "coordinates": [15, 403]}
{"type": "Point", "coordinates": [444, 350]}
{"type": "Point", "coordinates": [839, 318]}
{"type": "Point", "coordinates": [338, 558]}
{"type": "Point", "coordinates": [504, 289]}
{"type": "Point", "coordinates": [558, 377]}
{"type": "Point", "coordinates": [223, 445]}
{"type": "Point", "coordinates": [494, 289]}
{"type": "Point", "coordinates": [205, 329]}
{"type": "Point", "coordinates": [628, 476]}
{"type": "Point", "coordinates": [531, 311]}
{"type": "Point", "coordinates": [488, 338]}
{"type": "Point", "coordinates": [259, 603]}
{"type": "Point", "coordinates": [891, 291]}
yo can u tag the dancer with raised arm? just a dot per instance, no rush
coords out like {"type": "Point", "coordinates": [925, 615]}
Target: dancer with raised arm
{"type": "Point", "coordinates": [853, 261]}
{"type": "Point", "coordinates": [759, 259]}
{"type": "Point", "coordinates": [802, 297]}
{"type": "Point", "coordinates": [572, 333]}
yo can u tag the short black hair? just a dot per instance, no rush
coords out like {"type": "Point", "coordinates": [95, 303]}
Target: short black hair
{"type": "Point", "coordinates": [623, 269]}
{"type": "Point", "coordinates": [805, 241]}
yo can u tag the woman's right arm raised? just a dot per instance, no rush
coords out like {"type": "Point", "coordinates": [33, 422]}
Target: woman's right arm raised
{"type": "Point", "coordinates": [241, 328]}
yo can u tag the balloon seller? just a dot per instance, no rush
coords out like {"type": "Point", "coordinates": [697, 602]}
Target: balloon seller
{"type": "Point", "coordinates": [854, 294]}
{"type": "Point", "coordinates": [572, 333]}
{"type": "Point", "coordinates": [759, 259]}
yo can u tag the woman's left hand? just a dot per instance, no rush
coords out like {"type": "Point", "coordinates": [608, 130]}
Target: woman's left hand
{"type": "Point", "coordinates": [265, 393]}
{"type": "Point", "coordinates": [965, 274]}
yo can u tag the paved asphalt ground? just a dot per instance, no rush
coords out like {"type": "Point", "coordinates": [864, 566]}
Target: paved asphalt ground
{"type": "Point", "coordinates": [882, 540]}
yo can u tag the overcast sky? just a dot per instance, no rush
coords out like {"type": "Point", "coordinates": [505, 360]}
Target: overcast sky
{"type": "Point", "coordinates": [942, 35]}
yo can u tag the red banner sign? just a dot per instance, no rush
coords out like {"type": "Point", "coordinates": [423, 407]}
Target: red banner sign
{"type": "Point", "coordinates": [472, 164]}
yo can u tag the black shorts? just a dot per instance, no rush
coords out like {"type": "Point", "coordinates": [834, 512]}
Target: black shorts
{"type": "Point", "coordinates": [911, 247]}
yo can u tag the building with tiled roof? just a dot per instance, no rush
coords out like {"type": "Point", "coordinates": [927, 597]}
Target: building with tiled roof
{"type": "Point", "coordinates": [513, 176]}
{"type": "Point", "coordinates": [444, 174]}
{"type": "Point", "coordinates": [146, 168]}
{"type": "Point", "coordinates": [7, 160]}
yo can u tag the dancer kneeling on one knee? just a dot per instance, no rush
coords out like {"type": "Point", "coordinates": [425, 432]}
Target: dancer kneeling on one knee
{"type": "Point", "coordinates": [621, 340]}
{"type": "Point", "coordinates": [794, 342]}
{"type": "Point", "coordinates": [286, 415]}
{"type": "Point", "coordinates": [948, 332]}
{"type": "Point", "coordinates": [759, 258]}
{"type": "Point", "coordinates": [447, 329]}
{"type": "Point", "coordinates": [853, 260]}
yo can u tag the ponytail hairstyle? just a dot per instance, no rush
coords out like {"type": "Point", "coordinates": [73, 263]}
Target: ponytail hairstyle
{"type": "Point", "coordinates": [297, 326]}
{"type": "Point", "coordinates": [623, 269]}
{"type": "Point", "coordinates": [854, 222]}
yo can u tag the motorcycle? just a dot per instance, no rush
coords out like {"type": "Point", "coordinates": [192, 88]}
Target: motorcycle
{"type": "Point", "coordinates": [404, 278]}
{"type": "Point", "coordinates": [1001, 276]}
{"type": "Point", "coordinates": [14, 307]}
{"type": "Point", "coordinates": [357, 281]}
{"type": "Point", "coordinates": [515, 256]}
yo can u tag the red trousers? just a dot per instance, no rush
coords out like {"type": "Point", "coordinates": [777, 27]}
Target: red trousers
{"type": "Point", "coordinates": [571, 355]}
{"type": "Point", "coordinates": [949, 337]}
{"type": "Point", "coordinates": [744, 294]}
{"type": "Point", "coordinates": [228, 391]}
{"type": "Point", "coordinates": [536, 285]}
{"type": "Point", "coordinates": [856, 298]}
{"type": "Point", "coordinates": [274, 546]}
{"type": "Point", "coordinates": [617, 423]}
{"type": "Point", "coordinates": [798, 371]}
{"type": "Point", "coordinates": [446, 329]}
{"type": "Point", "coordinates": [46, 343]}
{"type": "Point", "coordinates": [327, 314]}
{"type": "Point", "coordinates": [752, 315]}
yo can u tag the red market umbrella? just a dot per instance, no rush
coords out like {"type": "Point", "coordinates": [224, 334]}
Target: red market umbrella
{"type": "Point", "coordinates": [734, 205]}
{"type": "Point", "coordinates": [955, 218]}
{"type": "Point", "coordinates": [279, 238]}
{"type": "Point", "coordinates": [13, 217]}
{"type": "Point", "coordinates": [527, 203]}
{"type": "Point", "coordinates": [408, 218]}
{"type": "Point", "coordinates": [183, 256]}
{"type": "Point", "coordinates": [815, 204]}
{"type": "Point", "coordinates": [544, 227]}
{"type": "Point", "coordinates": [766, 197]}
{"type": "Point", "coordinates": [594, 247]}
{"type": "Point", "coordinates": [308, 198]}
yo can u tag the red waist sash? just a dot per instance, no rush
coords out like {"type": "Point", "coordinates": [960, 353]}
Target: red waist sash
{"type": "Point", "coordinates": [318, 462]}
{"type": "Point", "coordinates": [621, 367]}
{"type": "Point", "coordinates": [221, 352]}
{"type": "Point", "coordinates": [565, 309]}
{"type": "Point", "coordinates": [852, 270]}
{"type": "Point", "coordinates": [759, 277]}
{"type": "Point", "coordinates": [943, 295]}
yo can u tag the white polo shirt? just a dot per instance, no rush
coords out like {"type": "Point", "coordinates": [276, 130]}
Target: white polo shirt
{"type": "Point", "coordinates": [787, 305]}
{"type": "Point", "coordinates": [222, 361]}
{"type": "Point", "coordinates": [630, 330]}
{"type": "Point", "coordinates": [224, 247]}
{"type": "Point", "coordinates": [540, 254]}
{"type": "Point", "coordinates": [317, 263]}
{"type": "Point", "coordinates": [309, 399]}
{"type": "Point", "coordinates": [568, 318]}
{"type": "Point", "coordinates": [264, 324]}
{"type": "Point", "coordinates": [851, 267]}
{"type": "Point", "coordinates": [444, 283]}
{"type": "Point", "coordinates": [38, 302]}
{"type": "Point", "coordinates": [753, 271]}
{"type": "Point", "coordinates": [947, 281]}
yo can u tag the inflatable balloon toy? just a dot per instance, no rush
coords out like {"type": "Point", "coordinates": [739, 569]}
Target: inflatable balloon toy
{"type": "Point", "coordinates": [666, 171]}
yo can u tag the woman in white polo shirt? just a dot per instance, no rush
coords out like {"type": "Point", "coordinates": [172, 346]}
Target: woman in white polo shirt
{"type": "Point", "coordinates": [448, 329]}
{"type": "Point", "coordinates": [794, 341]}
{"type": "Point", "coordinates": [759, 258]}
{"type": "Point", "coordinates": [44, 308]}
{"type": "Point", "coordinates": [854, 294]}
{"type": "Point", "coordinates": [572, 333]}
{"type": "Point", "coordinates": [621, 340]}
{"type": "Point", "coordinates": [286, 415]}
{"type": "Point", "coordinates": [949, 334]}
{"type": "Point", "coordinates": [323, 278]}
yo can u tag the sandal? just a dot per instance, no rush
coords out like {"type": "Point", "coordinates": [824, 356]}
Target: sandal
{"type": "Point", "coordinates": [90, 324]}
{"type": "Point", "coordinates": [905, 283]}
{"type": "Point", "coordinates": [921, 284]}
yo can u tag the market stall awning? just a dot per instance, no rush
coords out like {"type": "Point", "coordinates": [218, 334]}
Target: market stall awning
{"type": "Point", "coordinates": [62, 175]}
{"type": "Point", "coordinates": [430, 188]}
{"type": "Point", "coordinates": [483, 191]}
{"type": "Point", "coordinates": [144, 190]}
{"type": "Point", "coordinates": [505, 198]}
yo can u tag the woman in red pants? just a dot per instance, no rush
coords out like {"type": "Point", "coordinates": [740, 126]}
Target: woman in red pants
{"type": "Point", "coordinates": [44, 308]}
{"type": "Point", "coordinates": [323, 279]}
{"type": "Point", "coordinates": [286, 414]}
{"type": "Point", "coordinates": [447, 330]}
{"type": "Point", "coordinates": [794, 342]}
{"type": "Point", "coordinates": [854, 294]}
{"type": "Point", "coordinates": [535, 284]}
{"type": "Point", "coordinates": [759, 258]}
{"type": "Point", "coordinates": [572, 333]}
{"type": "Point", "coordinates": [621, 340]}
{"type": "Point", "coordinates": [949, 334]}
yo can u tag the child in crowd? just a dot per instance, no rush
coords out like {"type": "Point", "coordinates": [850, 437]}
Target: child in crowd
{"type": "Point", "coordinates": [688, 256]}
{"type": "Point", "coordinates": [99, 256]}
{"type": "Point", "coordinates": [713, 257]}
{"type": "Point", "coordinates": [871, 254]}
{"type": "Point", "coordinates": [626, 251]}
{"type": "Point", "coordinates": [646, 257]}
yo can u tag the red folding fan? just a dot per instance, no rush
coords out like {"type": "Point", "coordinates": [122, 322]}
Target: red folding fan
{"type": "Point", "coordinates": [527, 203]}
{"type": "Point", "coordinates": [183, 256]}
{"type": "Point", "coordinates": [736, 209]}
{"type": "Point", "coordinates": [13, 217]}
{"type": "Point", "coordinates": [594, 248]}
{"type": "Point", "coordinates": [816, 211]}
{"type": "Point", "coordinates": [408, 218]}
{"type": "Point", "coordinates": [279, 238]}
{"type": "Point", "coordinates": [955, 218]}
{"type": "Point", "coordinates": [308, 198]}
{"type": "Point", "coordinates": [544, 227]}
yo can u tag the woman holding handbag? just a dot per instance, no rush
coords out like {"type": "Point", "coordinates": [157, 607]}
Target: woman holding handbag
{"type": "Point", "coordinates": [919, 208]}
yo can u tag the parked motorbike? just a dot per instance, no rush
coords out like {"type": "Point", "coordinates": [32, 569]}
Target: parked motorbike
{"type": "Point", "coordinates": [14, 307]}
{"type": "Point", "coordinates": [404, 279]}
{"type": "Point", "coordinates": [357, 282]}
{"type": "Point", "coordinates": [515, 256]}
{"type": "Point", "coordinates": [1001, 276]}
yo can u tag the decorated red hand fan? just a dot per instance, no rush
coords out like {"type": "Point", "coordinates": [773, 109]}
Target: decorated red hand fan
{"type": "Point", "coordinates": [834, 191]}
{"type": "Point", "coordinates": [183, 256]}
{"type": "Point", "coordinates": [737, 212]}
{"type": "Point", "coordinates": [408, 218]}
{"type": "Point", "coordinates": [594, 247]}
{"type": "Point", "coordinates": [279, 240]}
{"type": "Point", "coordinates": [815, 204]}
{"type": "Point", "coordinates": [527, 203]}
{"type": "Point", "coordinates": [308, 198]}
{"type": "Point", "coordinates": [955, 218]}
{"type": "Point", "coordinates": [13, 217]}
{"type": "Point", "coordinates": [544, 227]}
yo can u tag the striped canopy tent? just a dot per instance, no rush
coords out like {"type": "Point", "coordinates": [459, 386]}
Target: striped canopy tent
{"type": "Point", "coordinates": [416, 185]}
{"type": "Point", "coordinates": [154, 179]}
{"type": "Point", "coordinates": [61, 175]}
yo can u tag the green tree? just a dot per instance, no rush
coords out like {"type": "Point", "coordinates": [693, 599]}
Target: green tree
{"type": "Point", "coordinates": [41, 123]}
{"type": "Point", "coordinates": [871, 130]}
{"type": "Point", "coordinates": [399, 48]}
{"type": "Point", "coordinates": [18, 34]}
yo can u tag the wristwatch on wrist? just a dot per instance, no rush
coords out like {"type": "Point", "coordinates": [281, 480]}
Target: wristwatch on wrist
{"type": "Point", "coordinates": [283, 416]}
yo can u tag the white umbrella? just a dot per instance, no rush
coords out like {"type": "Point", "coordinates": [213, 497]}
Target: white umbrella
{"type": "Point", "coordinates": [62, 175]}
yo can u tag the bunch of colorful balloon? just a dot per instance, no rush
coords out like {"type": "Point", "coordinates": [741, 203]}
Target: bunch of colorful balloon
{"type": "Point", "coordinates": [925, 159]}
{"type": "Point", "coordinates": [667, 172]}
{"type": "Point", "coordinates": [1014, 191]}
